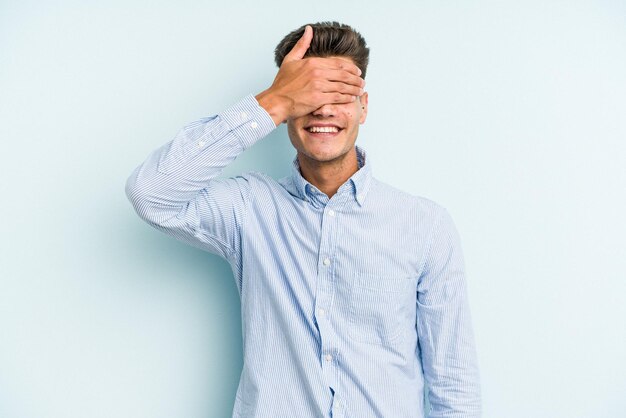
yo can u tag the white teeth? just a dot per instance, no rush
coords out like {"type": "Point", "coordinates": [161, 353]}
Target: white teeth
{"type": "Point", "coordinates": [323, 129]}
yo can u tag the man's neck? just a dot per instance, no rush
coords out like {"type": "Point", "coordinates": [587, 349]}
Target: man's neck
{"type": "Point", "coordinates": [329, 176]}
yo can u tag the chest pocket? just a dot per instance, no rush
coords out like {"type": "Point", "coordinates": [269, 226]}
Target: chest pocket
{"type": "Point", "coordinates": [381, 308]}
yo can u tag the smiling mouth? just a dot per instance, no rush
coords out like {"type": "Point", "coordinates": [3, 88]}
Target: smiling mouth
{"type": "Point", "coordinates": [323, 131]}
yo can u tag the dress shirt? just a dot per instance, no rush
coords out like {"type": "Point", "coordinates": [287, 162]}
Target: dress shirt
{"type": "Point", "coordinates": [349, 305]}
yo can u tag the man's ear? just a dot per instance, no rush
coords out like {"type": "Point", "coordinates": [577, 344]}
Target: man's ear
{"type": "Point", "coordinates": [363, 101]}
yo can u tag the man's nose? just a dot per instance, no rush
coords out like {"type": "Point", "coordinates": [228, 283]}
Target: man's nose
{"type": "Point", "coordinates": [327, 110]}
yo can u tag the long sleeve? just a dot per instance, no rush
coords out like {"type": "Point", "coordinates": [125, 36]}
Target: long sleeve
{"type": "Point", "coordinates": [444, 328]}
{"type": "Point", "coordinates": [175, 189]}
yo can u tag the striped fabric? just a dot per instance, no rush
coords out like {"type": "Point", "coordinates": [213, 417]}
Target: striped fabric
{"type": "Point", "coordinates": [350, 305]}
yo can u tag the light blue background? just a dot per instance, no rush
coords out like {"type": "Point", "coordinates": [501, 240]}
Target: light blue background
{"type": "Point", "coordinates": [510, 114]}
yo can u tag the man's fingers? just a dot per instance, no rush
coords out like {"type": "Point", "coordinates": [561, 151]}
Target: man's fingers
{"type": "Point", "coordinates": [299, 49]}
{"type": "Point", "coordinates": [337, 98]}
{"type": "Point", "coordinates": [332, 63]}
{"type": "Point", "coordinates": [338, 87]}
{"type": "Point", "coordinates": [345, 77]}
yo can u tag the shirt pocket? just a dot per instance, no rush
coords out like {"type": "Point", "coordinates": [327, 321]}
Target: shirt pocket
{"type": "Point", "coordinates": [380, 307]}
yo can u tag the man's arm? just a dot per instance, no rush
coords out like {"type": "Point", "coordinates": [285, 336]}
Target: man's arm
{"type": "Point", "coordinates": [444, 327]}
{"type": "Point", "coordinates": [175, 189]}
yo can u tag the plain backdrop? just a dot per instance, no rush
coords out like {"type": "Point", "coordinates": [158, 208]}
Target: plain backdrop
{"type": "Point", "coordinates": [510, 114]}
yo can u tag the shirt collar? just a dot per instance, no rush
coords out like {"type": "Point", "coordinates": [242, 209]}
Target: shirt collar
{"type": "Point", "coordinates": [358, 184]}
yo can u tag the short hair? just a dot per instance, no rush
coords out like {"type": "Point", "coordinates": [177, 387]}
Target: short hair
{"type": "Point", "coordinates": [329, 39]}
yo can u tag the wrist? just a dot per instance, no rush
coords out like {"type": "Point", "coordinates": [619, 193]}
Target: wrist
{"type": "Point", "coordinates": [273, 105]}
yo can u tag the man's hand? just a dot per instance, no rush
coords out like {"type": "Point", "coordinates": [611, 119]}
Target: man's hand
{"type": "Point", "coordinates": [304, 85]}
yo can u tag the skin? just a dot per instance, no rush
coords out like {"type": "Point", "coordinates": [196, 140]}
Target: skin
{"type": "Point", "coordinates": [319, 92]}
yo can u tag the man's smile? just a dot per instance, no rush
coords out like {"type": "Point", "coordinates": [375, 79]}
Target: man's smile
{"type": "Point", "coordinates": [323, 130]}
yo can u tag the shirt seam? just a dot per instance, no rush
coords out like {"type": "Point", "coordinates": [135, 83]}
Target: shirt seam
{"type": "Point", "coordinates": [247, 201]}
{"type": "Point", "coordinates": [429, 247]}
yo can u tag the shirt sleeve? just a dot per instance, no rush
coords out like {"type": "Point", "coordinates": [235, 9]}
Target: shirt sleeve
{"type": "Point", "coordinates": [175, 189]}
{"type": "Point", "coordinates": [444, 327]}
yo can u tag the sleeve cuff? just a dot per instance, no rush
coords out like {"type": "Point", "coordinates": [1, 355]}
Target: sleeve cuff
{"type": "Point", "coordinates": [248, 121]}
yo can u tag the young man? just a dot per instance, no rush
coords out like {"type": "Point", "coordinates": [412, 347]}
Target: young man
{"type": "Point", "coordinates": [353, 293]}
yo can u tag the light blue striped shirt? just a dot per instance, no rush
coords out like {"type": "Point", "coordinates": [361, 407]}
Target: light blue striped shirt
{"type": "Point", "coordinates": [349, 304]}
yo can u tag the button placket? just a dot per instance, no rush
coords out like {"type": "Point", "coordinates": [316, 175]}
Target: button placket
{"type": "Point", "coordinates": [337, 406]}
{"type": "Point", "coordinates": [325, 294]}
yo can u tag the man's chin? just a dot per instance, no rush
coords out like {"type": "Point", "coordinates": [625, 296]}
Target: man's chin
{"type": "Point", "coordinates": [324, 155]}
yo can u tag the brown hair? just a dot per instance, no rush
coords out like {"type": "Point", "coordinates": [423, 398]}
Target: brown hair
{"type": "Point", "coordinates": [329, 39]}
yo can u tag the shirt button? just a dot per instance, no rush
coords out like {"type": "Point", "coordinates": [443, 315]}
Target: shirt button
{"type": "Point", "coordinates": [331, 212]}
{"type": "Point", "coordinates": [201, 143]}
{"type": "Point", "coordinates": [326, 261]}
{"type": "Point", "coordinates": [321, 312]}
{"type": "Point", "coordinates": [329, 357]}
{"type": "Point", "coordinates": [243, 115]}
{"type": "Point", "coordinates": [254, 125]}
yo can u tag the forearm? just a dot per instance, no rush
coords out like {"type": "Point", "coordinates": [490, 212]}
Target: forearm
{"type": "Point", "coordinates": [173, 174]}
{"type": "Point", "coordinates": [444, 326]}
{"type": "Point", "coordinates": [450, 362]}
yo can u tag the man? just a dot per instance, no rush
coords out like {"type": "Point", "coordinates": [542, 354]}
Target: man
{"type": "Point", "coordinates": [353, 293]}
